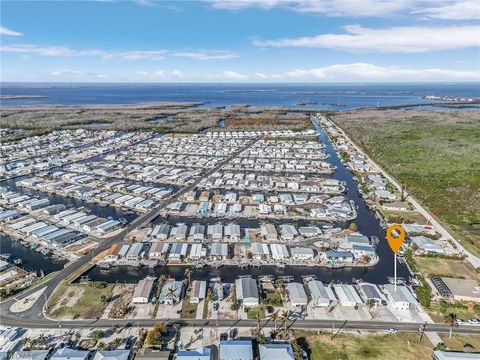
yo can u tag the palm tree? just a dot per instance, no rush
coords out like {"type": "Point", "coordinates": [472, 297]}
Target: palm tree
{"type": "Point", "coordinates": [451, 321]}
{"type": "Point", "coordinates": [258, 317]}
{"type": "Point", "coordinates": [171, 294]}
{"type": "Point", "coordinates": [285, 317]}
{"type": "Point", "coordinates": [274, 317]}
{"type": "Point", "coordinates": [188, 274]}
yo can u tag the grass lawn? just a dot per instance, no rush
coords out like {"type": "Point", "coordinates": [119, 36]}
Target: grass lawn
{"type": "Point", "coordinates": [189, 310]}
{"type": "Point", "coordinates": [87, 306]}
{"type": "Point", "coordinates": [436, 154]}
{"type": "Point", "coordinates": [446, 267]}
{"type": "Point", "coordinates": [252, 312]}
{"type": "Point", "coordinates": [438, 315]}
{"type": "Point", "coordinates": [403, 217]}
{"type": "Point", "coordinates": [345, 346]}
{"type": "Point", "coordinates": [457, 342]}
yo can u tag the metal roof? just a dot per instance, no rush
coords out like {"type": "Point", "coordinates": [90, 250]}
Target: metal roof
{"type": "Point", "coordinates": [236, 350]}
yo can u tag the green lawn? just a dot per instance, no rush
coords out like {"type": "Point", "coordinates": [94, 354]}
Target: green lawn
{"type": "Point", "coordinates": [436, 154]}
{"type": "Point", "coordinates": [352, 347]}
{"type": "Point", "coordinates": [88, 305]}
{"type": "Point", "coordinates": [252, 312]}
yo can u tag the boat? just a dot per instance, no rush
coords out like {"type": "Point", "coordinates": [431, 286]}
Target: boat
{"type": "Point", "coordinates": [286, 278]}
{"type": "Point", "coordinates": [280, 265]}
{"type": "Point", "coordinates": [17, 261]}
{"type": "Point", "coordinates": [216, 279]}
{"type": "Point", "coordinates": [265, 278]}
{"type": "Point", "coordinates": [400, 280]}
{"type": "Point", "coordinates": [5, 256]}
{"type": "Point", "coordinates": [307, 278]}
{"type": "Point", "coordinates": [357, 281]}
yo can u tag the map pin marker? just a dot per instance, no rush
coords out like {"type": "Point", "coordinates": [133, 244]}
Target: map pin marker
{"type": "Point", "coordinates": [395, 242]}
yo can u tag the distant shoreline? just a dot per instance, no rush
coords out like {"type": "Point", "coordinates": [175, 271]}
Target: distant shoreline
{"type": "Point", "coordinates": [19, 97]}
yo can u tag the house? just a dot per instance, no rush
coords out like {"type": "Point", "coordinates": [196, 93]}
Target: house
{"type": "Point", "coordinates": [30, 355]}
{"type": "Point", "coordinates": [394, 206]}
{"type": "Point", "coordinates": [460, 289]}
{"type": "Point", "coordinates": [112, 355]}
{"type": "Point", "coordinates": [152, 354]}
{"type": "Point", "coordinates": [198, 291]}
{"type": "Point", "coordinates": [361, 251]}
{"type": "Point", "coordinates": [197, 252]}
{"type": "Point", "coordinates": [264, 209]}
{"type": "Point", "coordinates": [204, 196]}
{"type": "Point", "coordinates": [197, 231]}
{"type": "Point", "coordinates": [232, 231]}
{"type": "Point", "coordinates": [269, 232]}
{"type": "Point", "coordinates": [259, 251]}
{"type": "Point", "coordinates": [335, 257]}
{"type": "Point", "coordinates": [276, 351]}
{"type": "Point", "coordinates": [179, 232]}
{"type": "Point", "coordinates": [155, 251]}
{"type": "Point", "coordinates": [161, 231]}
{"type": "Point", "coordinates": [357, 239]}
{"type": "Point", "coordinates": [236, 350]}
{"type": "Point", "coordinates": [385, 194]}
{"type": "Point", "coordinates": [297, 294]}
{"type": "Point", "coordinates": [455, 355]}
{"type": "Point", "coordinates": [302, 253]}
{"type": "Point", "coordinates": [215, 231]}
{"type": "Point", "coordinates": [427, 245]}
{"type": "Point", "coordinates": [279, 251]}
{"type": "Point", "coordinates": [309, 231]}
{"type": "Point", "coordinates": [246, 290]}
{"type": "Point", "coordinates": [219, 251]}
{"type": "Point", "coordinates": [204, 207]}
{"type": "Point", "coordinates": [322, 296]}
{"type": "Point", "coordinates": [288, 231]}
{"type": "Point", "coordinates": [401, 299]}
{"type": "Point", "coordinates": [143, 291]}
{"type": "Point", "coordinates": [171, 293]}
{"type": "Point", "coordinates": [134, 252]}
{"type": "Point", "coordinates": [178, 251]}
{"type": "Point", "coordinates": [69, 354]}
{"type": "Point", "coordinates": [347, 295]}
{"type": "Point", "coordinates": [204, 353]}
{"type": "Point", "coordinates": [371, 292]}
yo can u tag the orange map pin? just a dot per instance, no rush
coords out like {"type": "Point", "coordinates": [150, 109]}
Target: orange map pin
{"type": "Point", "coordinates": [395, 242]}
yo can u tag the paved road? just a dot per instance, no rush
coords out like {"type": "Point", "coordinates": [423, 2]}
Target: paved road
{"type": "Point", "coordinates": [35, 313]}
{"type": "Point", "coordinates": [475, 261]}
{"type": "Point", "coordinates": [297, 324]}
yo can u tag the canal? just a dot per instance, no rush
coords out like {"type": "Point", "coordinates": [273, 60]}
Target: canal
{"type": "Point", "coordinates": [367, 222]}
{"type": "Point", "coordinates": [31, 259]}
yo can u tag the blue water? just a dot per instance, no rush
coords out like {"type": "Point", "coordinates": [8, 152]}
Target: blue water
{"type": "Point", "coordinates": [320, 96]}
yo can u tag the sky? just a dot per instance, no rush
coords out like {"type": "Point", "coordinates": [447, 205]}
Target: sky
{"type": "Point", "coordinates": [240, 41]}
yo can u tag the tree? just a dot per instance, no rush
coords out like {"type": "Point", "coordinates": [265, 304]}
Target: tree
{"type": "Point", "coordinates": [285, 317]}
{"type": "Point", "coordinates": [96, 334]}
{"type": "Point", "coordinates": [155, 336]}
{"type": "Point", "coordinates": [104, 299]}
{"type": "Point", "coordinates": [451, 321]}
{"type": "Point", "coordinates": [188, 274]}
{"type": "Point", "coordinates": [370, 303]}
{"type": "Point", "coordinates": [274, 317]}
{"type": "Point", "coordinates": [353, 227]}
{"type": "Point", "coordinates": [258, 318]}
{"type": "Point", "coordinates": [171, 294]}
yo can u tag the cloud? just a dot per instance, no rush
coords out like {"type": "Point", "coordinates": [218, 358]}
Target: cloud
{"type": "Point", "coordinates": [461, 10]}
{"type": "Point", "coordinates": [354, 8]}
{"type": "Point", "coordinates": [371, 72]}
{"type": "Point", "coordinates": [62, 51]}
{"type": "Point", "coordinates": [232, 75]}
{"type": "Point", "coordinates": [146, 3]}
{"type": "Point", "coordinates": [8, 32]}
{"type": "Point", "coordinates": [68, 74]}
{"type": "Point", "coordinates": [160, 74]}
{"type": "Point", "coordinates": [205, 56]}
{"type": "Point", "coordinates": [177, 74]}
{"type": "Point", "coordinates": [402, 39]}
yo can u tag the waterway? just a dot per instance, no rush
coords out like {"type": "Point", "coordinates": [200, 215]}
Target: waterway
{"type": "Point", "coordinates": [32, 260]}
{"type": "Point", "coordinates": [367, 222]}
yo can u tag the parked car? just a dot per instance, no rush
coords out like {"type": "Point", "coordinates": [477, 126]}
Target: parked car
{"type": "Point", "coordinates": [392, 331]}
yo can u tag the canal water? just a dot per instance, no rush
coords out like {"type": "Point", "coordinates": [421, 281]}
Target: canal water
{"type": "Point", "coordinates": [367, 222]}
{"type": "Point", "coordinates": [32, 260]}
